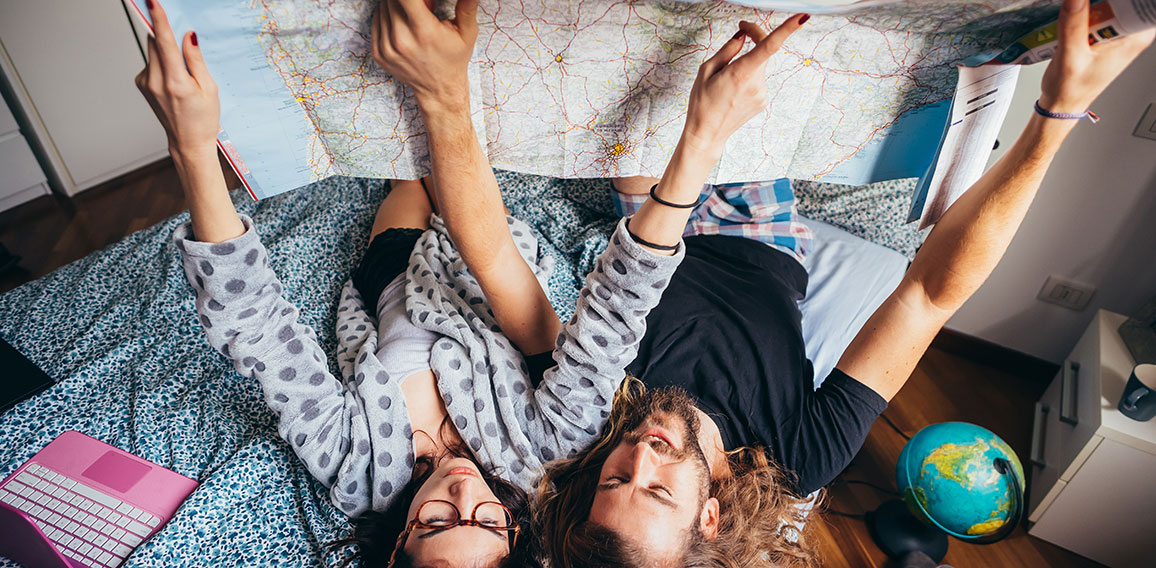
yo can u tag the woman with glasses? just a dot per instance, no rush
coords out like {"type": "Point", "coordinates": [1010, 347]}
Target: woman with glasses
{"type": "Point", "coordinates": [450, 514]}
{"type": "Point", "coordinates": [465, 384]}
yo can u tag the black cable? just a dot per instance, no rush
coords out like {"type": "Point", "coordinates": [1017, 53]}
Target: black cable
{"type": "Point", "coordinates": [859, 516]}
{"type": "Point", "coordinates": [879, 488]}
{"type": "Point", "coordinates": [894, 427]}
{"type": "Point", "coordinates": [859, 482]}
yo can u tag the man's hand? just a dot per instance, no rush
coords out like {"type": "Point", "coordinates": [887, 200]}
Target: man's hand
{"type": "Point", "coordinates": [177, 85]}
{"type": "Point", "coordinates": [428, 54]}
{"type": "Point", "coordinates": [726, 94]}
{"type": "Point", "coordinates": [1080, 72]}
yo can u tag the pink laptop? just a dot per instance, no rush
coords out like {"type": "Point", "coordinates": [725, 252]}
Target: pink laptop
{"type": "Point", "coordinates": [81, 503]}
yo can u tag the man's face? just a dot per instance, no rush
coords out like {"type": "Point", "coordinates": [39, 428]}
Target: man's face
{"type": "Point", "coordinates": [652, 490]}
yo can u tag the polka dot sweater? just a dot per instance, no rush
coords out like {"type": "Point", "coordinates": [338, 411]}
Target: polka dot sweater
{"type": "Point", "coordinates": [353, 433]}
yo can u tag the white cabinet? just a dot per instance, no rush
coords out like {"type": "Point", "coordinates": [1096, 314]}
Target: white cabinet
{"type": "Point", "coordinates": [71, 65]}
{"type": "Point", "coordinates": [1093, 468]}
{"type": "Point", "coordinates": [21, 178]}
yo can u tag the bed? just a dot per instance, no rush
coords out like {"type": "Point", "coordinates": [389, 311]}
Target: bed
{"type": "Point", "coordinates": [118, 332]}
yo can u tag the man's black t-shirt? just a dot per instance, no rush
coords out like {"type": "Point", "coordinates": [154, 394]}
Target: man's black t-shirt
{"type": "Point", "coordinates": [728, 330]}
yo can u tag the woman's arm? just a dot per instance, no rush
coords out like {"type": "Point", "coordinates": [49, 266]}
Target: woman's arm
{"type": "Point", "coordinates": [238, 296]}
{"type": "Point", "coordinates": [726, 94]}
{"type": "Point", "coordinates": [183, 95]}
{"type": "Point", "coordinates": [600, 341]}
{"type": "Point", "coordinates": [629, 277]}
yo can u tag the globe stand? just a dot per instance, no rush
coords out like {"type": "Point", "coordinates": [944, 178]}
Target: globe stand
{"type": "Point", "coordinates": [896, 532]}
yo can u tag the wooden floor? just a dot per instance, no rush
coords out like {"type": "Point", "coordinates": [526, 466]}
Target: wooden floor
{"type": "Point", "coordinates": [51, 232]}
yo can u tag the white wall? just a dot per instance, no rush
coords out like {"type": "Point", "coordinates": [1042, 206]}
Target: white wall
{"type": "Point", "coordinates": [1094, 221]}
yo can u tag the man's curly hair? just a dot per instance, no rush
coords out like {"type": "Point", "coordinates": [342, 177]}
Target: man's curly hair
{"type": "Point", "coordinates": [760, 521]}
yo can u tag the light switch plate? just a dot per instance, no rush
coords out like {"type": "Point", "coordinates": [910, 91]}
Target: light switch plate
{"type": "Point", "coordinates": [1147, 126]}
{"type": "Point", "coordinates": [1066, 293]}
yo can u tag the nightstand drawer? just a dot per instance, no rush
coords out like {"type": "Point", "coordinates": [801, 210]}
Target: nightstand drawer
{"type": "Point", "coordinates": [1055, 456]}
{"type": "Point", "coordinates": [1064, 425]}
{"type": "Point", "coordinates": [1090, 489]}
{"type": "Point", "coordinates": [1075, 401]}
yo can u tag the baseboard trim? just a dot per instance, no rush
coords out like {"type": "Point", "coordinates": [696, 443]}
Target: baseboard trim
{"type": "Point", "coordinates": [128, 176]}
{"type": "Point", "coordinates": [995, 355]}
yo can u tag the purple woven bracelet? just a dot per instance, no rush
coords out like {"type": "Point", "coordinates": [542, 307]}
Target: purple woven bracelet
{"type": "Point", "coordinates": [1066, 115]}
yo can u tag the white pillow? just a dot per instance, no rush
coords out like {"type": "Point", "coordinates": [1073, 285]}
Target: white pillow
{"type": "Point", "coordinates": [848, 279]}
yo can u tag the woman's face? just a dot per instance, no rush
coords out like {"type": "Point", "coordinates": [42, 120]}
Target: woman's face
{"type": "Point", "coordinates": [458, 481]}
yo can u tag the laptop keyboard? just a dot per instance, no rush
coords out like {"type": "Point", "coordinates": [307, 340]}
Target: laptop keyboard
{"type": "Point", "coordinates": [85, 524]}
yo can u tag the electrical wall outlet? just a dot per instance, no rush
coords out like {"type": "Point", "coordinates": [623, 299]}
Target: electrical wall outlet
{"type": "Point", "coordinates": [1066, 293]}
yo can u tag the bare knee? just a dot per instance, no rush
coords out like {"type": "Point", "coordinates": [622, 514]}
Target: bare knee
{"type": "Point", "coordinates": [406, 207]}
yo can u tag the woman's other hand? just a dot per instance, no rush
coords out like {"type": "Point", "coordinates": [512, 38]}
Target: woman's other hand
{"type": "Point", "coordinates": [728, 92]}
{"type": "Point", "coordinates": [1079, 72]}
{"type": "Point", "coordinates": [177, 85]}
{"type": "Point", "coordinates": [428, 54]}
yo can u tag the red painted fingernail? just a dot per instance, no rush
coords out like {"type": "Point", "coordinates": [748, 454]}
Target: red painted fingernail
{"type": "Point", "coordinates": [804, 19]}
{"type": "Point", "coordinates": [149, 4]}
{"type": "Point", "coordinates": [194, 38]}
{"type": "Point", "coordinates": [737, 35]}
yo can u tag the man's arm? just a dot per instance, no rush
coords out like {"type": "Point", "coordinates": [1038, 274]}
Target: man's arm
{"type": "Point", "coordinates": [969, 241]}
{"type": "Point", "coordinates": [432, 56]}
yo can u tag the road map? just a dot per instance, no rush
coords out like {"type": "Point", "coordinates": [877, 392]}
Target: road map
{"type": "Point", "coordinates": [596, 88]}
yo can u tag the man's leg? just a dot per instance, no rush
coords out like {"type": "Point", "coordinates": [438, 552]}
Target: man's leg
{"type": "Point", "coordinates": [630, 193]}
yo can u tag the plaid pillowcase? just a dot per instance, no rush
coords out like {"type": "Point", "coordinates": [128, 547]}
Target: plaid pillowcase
{"type": "Point", "coordinates": [760, 210]}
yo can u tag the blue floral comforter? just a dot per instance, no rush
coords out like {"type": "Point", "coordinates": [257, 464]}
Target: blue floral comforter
{"type": "Point", "coordinates": [118, 332]}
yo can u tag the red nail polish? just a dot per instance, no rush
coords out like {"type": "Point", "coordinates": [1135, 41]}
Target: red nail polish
{"type": "Point", "coordinates": [804, 19]}
{"type": "Point", "coordinates": [194, 38]}
{"type": "Point", "coordinates": [149, 4]}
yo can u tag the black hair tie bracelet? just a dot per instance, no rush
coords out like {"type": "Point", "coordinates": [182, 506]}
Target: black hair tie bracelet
{"type": "Point", "coordinates": [662, 201]}
{"type": "Point", "coordinates": [645, 242]}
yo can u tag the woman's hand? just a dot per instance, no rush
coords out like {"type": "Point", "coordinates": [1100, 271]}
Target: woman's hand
{"type": "Point", "coordinates": [728, 93]}
{"type": "Point", "coordinates": [184, 97]}
{"type": "Point", "coordinates": [1080, 72]}
{"type": "Point", "coordinates": [180, 90]}
{"type": "Point", "coordinates": [428, 54]}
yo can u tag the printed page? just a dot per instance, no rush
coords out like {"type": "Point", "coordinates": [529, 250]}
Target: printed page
{"type": "Point", "coordinates": [981, 103]}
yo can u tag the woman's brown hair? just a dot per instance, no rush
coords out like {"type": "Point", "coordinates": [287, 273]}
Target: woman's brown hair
{"type": "Point", "coordinates": [760, 521]}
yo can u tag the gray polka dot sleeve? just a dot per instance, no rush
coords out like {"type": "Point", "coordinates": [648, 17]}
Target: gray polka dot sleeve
{"type": "Point", "coordinates": [597, 344]}
{"type": "Point", "coordinates": [325, 420]}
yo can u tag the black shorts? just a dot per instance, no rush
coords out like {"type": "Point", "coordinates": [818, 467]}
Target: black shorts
{"type": "Point", "coordinates": [386, 257]}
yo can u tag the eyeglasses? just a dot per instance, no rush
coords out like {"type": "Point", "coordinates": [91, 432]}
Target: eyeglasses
{"type": "Point", "coordinates": [437, 514]}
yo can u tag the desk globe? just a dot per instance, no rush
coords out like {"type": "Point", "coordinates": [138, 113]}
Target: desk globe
{"type": "Point", "coordinates": [955, 479]}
